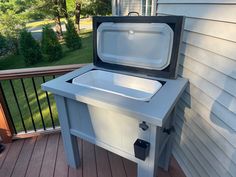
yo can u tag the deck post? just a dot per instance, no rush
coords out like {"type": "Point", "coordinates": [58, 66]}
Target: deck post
{"type": "Point", "coordinates": [6, 131]}
{"type": "Point", "coordinates": [69, 140]}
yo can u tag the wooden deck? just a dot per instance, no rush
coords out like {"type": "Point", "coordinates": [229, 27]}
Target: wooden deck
{"type": "Point", "coordinates": [43, 156]}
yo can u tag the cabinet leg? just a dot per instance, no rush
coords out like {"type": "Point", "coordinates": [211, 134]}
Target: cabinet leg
{"type": "Point", "coordinates": [168, 150]}
{"type": "Point", "coordinates": [167, 155]}
{"type": "Point", "coordinates": [71, 150]}
{"type": "Point", "coordinates": [145, 170]}
{"type": "Point", "coordinates": [70, 142]}
{"type": "Point", "coordinates": [148, 168]}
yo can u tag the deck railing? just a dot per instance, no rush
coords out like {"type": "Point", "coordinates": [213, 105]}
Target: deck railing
{"type": "Point", "coordinates": [26, 110]}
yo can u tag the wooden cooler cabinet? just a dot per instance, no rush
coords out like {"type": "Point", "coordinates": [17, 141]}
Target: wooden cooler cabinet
{"type": "Point", "coordinates": [124, 101]}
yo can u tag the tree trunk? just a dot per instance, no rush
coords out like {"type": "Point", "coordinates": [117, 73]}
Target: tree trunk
{"type": "Point", "coordinates": [16, 50]}
{"type": "Point", "coordinates": [64, 8]}
{"type": "Point", "coordinates": [77, 15]}
{"type": "Point", "coordinates": [58, 27]}
{"type": "Point", "coordinates": [57, 19]}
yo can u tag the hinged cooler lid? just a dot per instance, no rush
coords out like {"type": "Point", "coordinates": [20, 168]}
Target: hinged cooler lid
{"type": "Point", "coordinates": [123, 43]}
{"type": "Point", "coordinates": [147, 45]}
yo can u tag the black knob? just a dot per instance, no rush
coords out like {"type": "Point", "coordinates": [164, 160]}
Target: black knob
{"type": "Point", "coordinates": [168, 130]}
{"type": "Point", "coordinates": [143, 126]}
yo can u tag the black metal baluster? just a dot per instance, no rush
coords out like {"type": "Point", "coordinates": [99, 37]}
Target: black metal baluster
{"type": "Point", "coordinates": [27, 99]}
{"type": "Point", "coordinates": [18, 106]}
{"type": "Point", "coordinates": [40, 110]}
{"type": "Point", "coordinates": [8, 110]}
{"type": "Point", "coordinates": [49, 106]}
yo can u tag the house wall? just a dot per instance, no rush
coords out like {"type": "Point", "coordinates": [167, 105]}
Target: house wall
{"type": "Point", "coordinates": [123, 7]}
{"type": "Point", "coordinates": [205, 141]}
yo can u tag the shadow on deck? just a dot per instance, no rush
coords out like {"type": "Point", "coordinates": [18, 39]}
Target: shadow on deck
{"type": "Point", "coordinates": [43, 156]}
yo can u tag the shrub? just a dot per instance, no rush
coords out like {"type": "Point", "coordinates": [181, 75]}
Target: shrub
{"type": "Point", "coordinates": [29, 48]}
{"type": "Point", "coordinates": [72, 39]}
{"type": "Point", "coordinates": [3, 45]}
{"type": "Point", "coordinates": [51, 47]}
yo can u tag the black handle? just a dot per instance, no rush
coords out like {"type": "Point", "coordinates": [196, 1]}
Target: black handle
{"type": "Point", "coordinates": [169, 130]}
{"type": "Point", "coordinates": [133, 12]}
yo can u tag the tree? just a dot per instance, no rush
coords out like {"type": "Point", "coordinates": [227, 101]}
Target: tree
{"type": "Point", "coordinates": [77, 15]}
{"type": "Point", "coordinates": [10, 26]}
{"type": "Point", "coordinates": [29, 48]}
{"type": "Point", "coordinates": [3, 45]}
{"type": "Point", "coordinates": [64, 9]}
{"type": "Point", "coordinates": [98, 7]}
{"type": "Point", "coordinates": [89, 7]}
{"type": "Point", "coordinates": [54, 9]}
{"type": "Point", "coordinates": [72, 39]}
{"type": "Point", "coordinates": [50, 45]}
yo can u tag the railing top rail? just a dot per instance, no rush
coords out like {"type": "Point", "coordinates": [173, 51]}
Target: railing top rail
{"type": "Point", "coordinates": [38, 71]}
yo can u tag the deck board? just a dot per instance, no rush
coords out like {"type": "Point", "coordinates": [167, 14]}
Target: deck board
{"type": "Point", "coordinates": [4, 154]}
{"type": "Point", "coordinates": [61, 168]}
{"type": "Point", "coordinates": [49, 160]}
{"type": "Point", "coordinates": [10, 161]}
{"type": "Point", "coordinates": [103, 165]}
{"type": "Point", "coordinates": [36, 160]}
{"type": "Point", "coordinates": [130, 168]}
{"type": "Point", "coordinates": [89, 161]}
{"type": "Point", "coordinates": [44, 156]}
{"type": "Point", "coordinates": [117, 166]}
{"type": "Point", "coordinates": [78, 172]}
{"type": "Point", "coordinates": [24, 156]}
{"type": "Point", "coordinates": [174, 169]}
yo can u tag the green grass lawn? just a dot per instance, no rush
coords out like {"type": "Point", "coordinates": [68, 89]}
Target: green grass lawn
{"type": "Point", "coordinates": [83, 21]}
{"type": "Point", "coordinates": [24, 107]}
{"type": "Point", "coordinates": [83, 55]}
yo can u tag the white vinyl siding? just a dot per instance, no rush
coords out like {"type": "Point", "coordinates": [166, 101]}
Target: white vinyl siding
{"type": "Point", "coordinates": [123, 7]}
{"type": "Point", "coordinates": [126, 6]}
{"type": "Point", "coordinates": [205, 142]}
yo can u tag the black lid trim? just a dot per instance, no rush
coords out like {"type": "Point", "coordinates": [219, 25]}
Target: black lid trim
{"type": "Point", "coordinates": [176, 24]}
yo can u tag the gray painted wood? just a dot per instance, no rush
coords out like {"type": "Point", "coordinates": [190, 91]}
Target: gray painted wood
{"type": "Point", "coordinates": [71, 146]}
{"type": "Point", "coordinates": [153, 111]}
{"type": "Point", "coordinates": [77, 172]}
{"type": "Point", "coordinates": [168, 148]}
{"type": "Point", "coordinates": [105, 119]}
